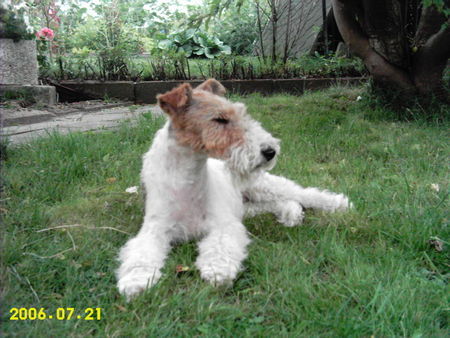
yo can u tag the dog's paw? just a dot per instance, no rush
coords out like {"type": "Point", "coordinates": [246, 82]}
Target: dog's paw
{"type": "Point", "coordinates": [217, 277]}
{"type": "Point", "coordinates": [290, 213]}
{"type": "Point", "coordinates": [341, 203]}
{"type": "Point", "coordinates": [137, 280]}
{"type": "Point", "coordinates": [219, 272]}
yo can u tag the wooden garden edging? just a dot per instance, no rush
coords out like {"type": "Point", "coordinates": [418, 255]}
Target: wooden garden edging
{"type": "Point", "coordinates": [146, 91]}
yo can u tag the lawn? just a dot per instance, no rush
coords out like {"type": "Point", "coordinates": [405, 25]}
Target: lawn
{"type": "Point", "coordinates": [370, 272]}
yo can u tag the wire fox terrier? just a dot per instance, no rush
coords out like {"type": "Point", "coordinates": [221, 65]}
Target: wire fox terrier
{"type": "Point", "coordinates": [207, 169]}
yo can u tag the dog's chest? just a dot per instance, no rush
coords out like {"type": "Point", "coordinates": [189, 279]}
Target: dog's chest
{"type": "Point", "coordinates": [187, 210]}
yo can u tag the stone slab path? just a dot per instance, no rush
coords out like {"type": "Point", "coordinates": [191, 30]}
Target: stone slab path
{"type": "Point", "coordinates": [23, 125]}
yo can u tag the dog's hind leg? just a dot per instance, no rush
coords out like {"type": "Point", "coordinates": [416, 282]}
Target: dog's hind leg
{"type": "Point", "coordinates": [141, 260]}
{"type": "Point", "coordinates": [276, 191]}
{"type": "Point", "coordinates": [222, 252]}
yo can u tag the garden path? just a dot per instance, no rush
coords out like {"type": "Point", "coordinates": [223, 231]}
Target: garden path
{"type": "Point", "coordinates": [22, 125]}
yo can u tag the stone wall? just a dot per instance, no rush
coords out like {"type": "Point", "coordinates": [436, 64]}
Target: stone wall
{"type": "Point", "coordinates": [18, 62]}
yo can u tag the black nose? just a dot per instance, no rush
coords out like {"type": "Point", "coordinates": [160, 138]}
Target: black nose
{"type": "Point", "coordinates": [268, 153]}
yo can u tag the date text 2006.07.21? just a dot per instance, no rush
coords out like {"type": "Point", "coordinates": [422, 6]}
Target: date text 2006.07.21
{"type": "Point", "coordinates": [67, 313]}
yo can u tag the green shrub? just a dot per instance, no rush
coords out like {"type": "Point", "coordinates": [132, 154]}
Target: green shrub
{"type": "Point", "coordinates": [194, 42]}
{"type": "Point", "coordinates": [14, 23]}
{"type": "Point", "coordinates": [240, 34]}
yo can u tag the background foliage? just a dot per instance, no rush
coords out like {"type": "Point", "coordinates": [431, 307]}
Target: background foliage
{"type": "Point", "coordinates": [194, 42]}
{"type": "Point", "coordinates": [151, 40]}
{"type": "Point", "coordinates": [14, 21]}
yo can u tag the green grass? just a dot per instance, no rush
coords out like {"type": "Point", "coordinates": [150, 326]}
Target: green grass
{"type": "Point", "coordinates": [367, 272]}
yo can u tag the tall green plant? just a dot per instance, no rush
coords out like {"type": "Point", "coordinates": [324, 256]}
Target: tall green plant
{"type": "Point", "coordinates": [109, 39]}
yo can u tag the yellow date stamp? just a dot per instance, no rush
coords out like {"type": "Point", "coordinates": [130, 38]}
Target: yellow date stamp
{"type": "Point", "coordinates": [61, 313]}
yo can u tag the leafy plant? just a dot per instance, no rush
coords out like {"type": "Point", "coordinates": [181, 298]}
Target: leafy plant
{"type": "Point", "coordinates": [165, 66]}
{"type": "Point", "coordinates": [194, 42]}
{"type": "Point", "coordinates": [110, 42]}
{"type": "Point", "coordinates": [236, 29]}
{"type": "Point", "coordinates": [14, 22]}
{"type": "Point", "coordinates": [240, 36]}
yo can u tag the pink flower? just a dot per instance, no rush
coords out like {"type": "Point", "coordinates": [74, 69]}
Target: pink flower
{"type": "Point", "coordinates": [45, 34]}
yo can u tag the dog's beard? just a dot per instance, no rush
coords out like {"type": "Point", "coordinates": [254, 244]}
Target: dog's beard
{"type": "Point", "coordinates": [247, 160]}
{"type": "Point", "coordinates": [264, 166]}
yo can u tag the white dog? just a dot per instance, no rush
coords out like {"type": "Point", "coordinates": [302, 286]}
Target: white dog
{"type": "Point", "coordinates": [206, 168]}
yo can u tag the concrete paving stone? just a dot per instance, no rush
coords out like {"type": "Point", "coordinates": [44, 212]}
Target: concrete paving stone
{"type": "Point", "coordinates": [80, 121]}
{"type": "Point", "coordinates": [12, 118]}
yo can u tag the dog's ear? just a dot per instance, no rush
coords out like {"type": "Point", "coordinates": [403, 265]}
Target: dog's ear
{"type": "Point", "coordinates": [213, 86]}
{"type": "Point", "coordinates": [177, 100]}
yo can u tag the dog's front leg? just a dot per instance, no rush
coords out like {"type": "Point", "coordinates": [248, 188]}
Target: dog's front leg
{"type": "Point", "coordinates": [222, 252]}
{"type": "Point", "coordinates": [141, 260]}
{"type": "Point", "coordinates": [288, 212]}
{"type": "Point", "coordinates": [281, 196]}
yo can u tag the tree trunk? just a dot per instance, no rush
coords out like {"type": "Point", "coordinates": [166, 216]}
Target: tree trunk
{"type": "Point", "coordinates": [432, 55]}
{"type": "Point", "coordinates": [288, 29]}
{"type": "Point", "coordinates": [325, 26]}
{"type": "Point", "coordinates": [260, 29]}
{"type": "Point", "coordinates": [381, 33]}
{"type": "Point", "coordinates": [334, 36]}
{"type": "Point", "coordinates": [274, 22]}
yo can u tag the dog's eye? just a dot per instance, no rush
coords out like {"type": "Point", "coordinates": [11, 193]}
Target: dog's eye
{"type": "Point", "coordinates": [221, 120]}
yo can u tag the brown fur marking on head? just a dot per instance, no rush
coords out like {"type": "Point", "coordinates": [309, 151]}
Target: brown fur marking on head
{"type": "Point", "coordinates": [203, 121]}
{"type": "Point", "coordinates": [213, 86]}
{"type": "Point", "coordinates": [177, 100]}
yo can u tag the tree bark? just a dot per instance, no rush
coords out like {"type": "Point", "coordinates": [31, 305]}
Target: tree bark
{"type": "Point", "coordinates": [430, 61]}
{"type": "Point", "coordinates": [430, 23]}
{"type": "Point", "coordinates": [325, 26]}
{"type": "Point", "coordinates": [274, 22]}
{"type": "Point", "coordinates": [288, 29]}
{"type": "Point", "coordinates": [383, 23]}
{"type": "Point", "coordinates": [401, 43]}
{"type": "Point", "coordinates": [358, 42]}
{"type": "Point", "coordinates": [334, 37]}
{"type": "Point", "coordinates": [260, 29]}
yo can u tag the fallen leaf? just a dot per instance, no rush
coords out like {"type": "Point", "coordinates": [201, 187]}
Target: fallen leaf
{"type": "Point", "coordinates": [111, 179]}
{"type": "Point", "coordinates": [436, 243]}
{"type": "Point", "coordinates": [182, 268]}
{"type": "Point", "coordinates": [121, 308]}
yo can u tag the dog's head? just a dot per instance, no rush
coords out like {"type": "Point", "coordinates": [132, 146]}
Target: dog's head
{"type": "Point", "coordinates": [207, 122]}
{"type": "Point", "coordinates": [203, 119]}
